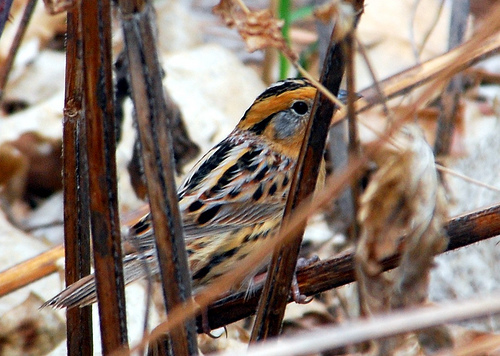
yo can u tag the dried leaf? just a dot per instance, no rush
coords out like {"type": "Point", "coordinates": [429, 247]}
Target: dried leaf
{"type": "Point", "coordinates": [259, 29]}
{"type": "Point", "coordinates": [226, 9]}
{"type": "Point", "coordinates": [403, 198]}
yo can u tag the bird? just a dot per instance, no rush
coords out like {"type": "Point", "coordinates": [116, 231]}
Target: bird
{"type": "Point", "coordinates": [231, 200]}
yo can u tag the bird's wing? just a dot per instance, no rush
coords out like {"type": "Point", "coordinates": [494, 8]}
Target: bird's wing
{"type": "Point", "coordinates": [239, 183]}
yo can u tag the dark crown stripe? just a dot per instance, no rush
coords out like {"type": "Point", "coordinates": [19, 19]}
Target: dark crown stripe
{"type": "Point", "coordinates": [283, 86]}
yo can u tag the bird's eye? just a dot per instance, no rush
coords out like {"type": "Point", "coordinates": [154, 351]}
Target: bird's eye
{"type": "Point", "coordinates": [300, 107]}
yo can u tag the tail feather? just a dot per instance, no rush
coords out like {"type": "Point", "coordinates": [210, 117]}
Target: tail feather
{"type": "Point", "coordinates": [83, 292]}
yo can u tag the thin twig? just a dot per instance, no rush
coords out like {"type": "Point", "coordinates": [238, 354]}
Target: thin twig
{"type": "Point", "coordinates": [56, 223]}
{"type": "Point", "coordinates": [417, 51]}
{"type": "Point", "coordinates": [376, 84]}
{"type": "Point", "coordinates": [353, 142]}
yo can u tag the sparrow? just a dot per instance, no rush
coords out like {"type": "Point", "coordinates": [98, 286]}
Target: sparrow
{"type": "Point", "coordinates": [232, 200]}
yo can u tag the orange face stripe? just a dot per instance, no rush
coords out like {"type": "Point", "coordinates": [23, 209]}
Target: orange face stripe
{"type": "Point", "coordinates": [268, 106]}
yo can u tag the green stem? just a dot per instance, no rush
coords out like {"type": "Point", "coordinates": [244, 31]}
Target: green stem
{"type": "Point", "coordinates": [284, 13]}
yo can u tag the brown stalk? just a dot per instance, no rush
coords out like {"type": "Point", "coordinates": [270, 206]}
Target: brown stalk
{"type": "Point", "coordinates": [100, 129]}
{"type": "Point", "coordinates": [152, 112]}
{"type": "Point", "coordinates": [451, 96]}
{"type": "Point", "coordinates": [76, 189]}
{"type": "Point", "coordinates": [284, 259]}
{"type": "Point", "coordinates": [16, 42]}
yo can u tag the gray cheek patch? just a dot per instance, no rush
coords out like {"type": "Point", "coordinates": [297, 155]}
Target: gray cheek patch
{"type": "Point", "coordinates": [285, 124]}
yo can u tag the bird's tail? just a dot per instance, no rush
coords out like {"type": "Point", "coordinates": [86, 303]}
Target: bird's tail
{"type": "Point", "coordinates": [83, 292]}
